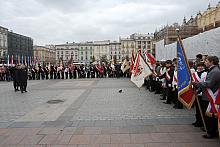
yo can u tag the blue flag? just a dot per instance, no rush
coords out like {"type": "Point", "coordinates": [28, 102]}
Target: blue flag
{"type": "Point", "coordinates": [28, 60]}
{"type": "Point", "coordinates": [184, 80]}
{"type": "Point", "coordinates": [22, 59]}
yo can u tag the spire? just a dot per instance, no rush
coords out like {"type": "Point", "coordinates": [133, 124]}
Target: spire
{"type": "Point", "coordinates": [209, 6]}
{"type": "Point", "coordinates": [218, 5]}
{"type": "Point", "coordinates": [184, 20]}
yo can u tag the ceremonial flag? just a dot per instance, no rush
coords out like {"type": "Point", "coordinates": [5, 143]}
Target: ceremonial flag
{"type": "Point", "coordinates": [184, 79]}
{"type": "Point", "coordinates": [132, 62]}
{"type": "Point", "coordinates": [19, 61]}
{"type": "Point", "coordinates": [25, 60]}
{"type": "Point", "coordinates": [22, 59]}
{"type": "Point", "coordinates": [8, 62]}
{"type": "Point", "coordinates": [140, 72]}
{"type": "Point", "coordinates": [125, 66]}
{"type": "Point", "coordinates": [28, 60]}
{"type": "Point", "coordinates": [31, 60]}
{"type": "Point", "coordinates": [99, 69]}
{"type": "Point", "coordinates": [12, 59]}
{"type": "Point", "coordinates": [151, 59]}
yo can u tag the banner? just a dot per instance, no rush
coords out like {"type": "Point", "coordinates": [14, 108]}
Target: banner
{"type": "Point", "coordinates": [140, 71]}
{"type": "Point", "coordinates": [12, 59]}
{"type": "Point", "coordinates": [151, 59]}
{"type": "Point", "coordinates": [125, 66]}
{"type": "Point", "coordinates": [184, 79]}
{"type": "Point", "coordinates": [22, 59]}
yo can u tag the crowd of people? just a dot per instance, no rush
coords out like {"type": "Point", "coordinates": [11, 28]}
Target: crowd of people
{"type": "Point", "coordinates": [66, 72]}
{"type": "Point", "coordinates": [206, 75]}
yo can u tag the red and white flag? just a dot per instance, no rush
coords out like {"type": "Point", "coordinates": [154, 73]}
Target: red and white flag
{"type": "Point", "coordinates": [140, 71]}
{"type": "Point", "coordinates": [12, 59]}
{"type": "Point", "coordinates": [125, 66]}
{"type": "Point", "coordinates": [151, 59]}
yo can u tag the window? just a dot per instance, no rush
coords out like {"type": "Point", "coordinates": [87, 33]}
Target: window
{"type": "Point", "coordinates": [81, 57]}
{"type": "Point", "coordinates": [81, 53]}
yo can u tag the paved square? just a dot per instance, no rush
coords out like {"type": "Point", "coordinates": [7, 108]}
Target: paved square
{"type": "Point", "coordinates": [93, 113]}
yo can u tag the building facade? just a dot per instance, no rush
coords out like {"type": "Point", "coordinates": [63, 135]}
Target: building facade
{"type": "Point", "coordinates": [44, 55]}
{"type": "Point", "coordinates": [67, 52]}
{"type": "Point", "coordinates": [209, 19]}
{"type": "Point", "coordinates": [3, 43]}
{"type": "Point", "coordinates": [85, 52]}
{"type": "Point", "coordinates": [114, 51]}
{"type": "Point", "coordinates": [101, 49]}
{"type": "Point", "coordinates": [127, 45]}
{"type": "Point", "coordinates": [143, 42]}
{"type": "Point", "coordinates": [169, 33]}
{"type": "Point", "coordinates": [19, 46]}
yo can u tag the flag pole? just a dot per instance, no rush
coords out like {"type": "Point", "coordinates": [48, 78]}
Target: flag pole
{"type": "Point", "coordinates": [195, 93]}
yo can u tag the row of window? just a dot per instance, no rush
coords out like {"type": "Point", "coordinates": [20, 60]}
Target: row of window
{"type": "Point", "coordinates": [3, 43]}
{"type": "Point", "coordinates": [117, 57]}
{"type": "Point", "coordinates": [69, 57]}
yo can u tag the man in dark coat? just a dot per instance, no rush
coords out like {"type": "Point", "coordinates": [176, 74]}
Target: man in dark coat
{"type": "Point", "coordinates": [212, 83]}
{"type": "Point", "coordinates": [23, 76]}
{"type": "Point", "coordinates": [14, 73]}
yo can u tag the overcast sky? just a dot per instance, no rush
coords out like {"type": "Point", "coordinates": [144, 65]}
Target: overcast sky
{"type": "Point", "coordinates": [59, 21]}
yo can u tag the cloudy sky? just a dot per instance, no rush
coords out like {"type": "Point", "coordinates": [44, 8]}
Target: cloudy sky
{"type": "Point", "coordinates": [59, 21]}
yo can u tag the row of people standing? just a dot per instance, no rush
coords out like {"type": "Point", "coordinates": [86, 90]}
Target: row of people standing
{"type": "Point", "coordinates": [74, 72]}
{"type": "Point", "coordinates": [206, 76]}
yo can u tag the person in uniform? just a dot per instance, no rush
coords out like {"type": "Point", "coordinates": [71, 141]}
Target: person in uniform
{"type": "Point", "coordinates": [199, 76]}
{"type": "Point", "coordinates": [177, 103]}
{"type": "Point", "coordinates": [168, 75]}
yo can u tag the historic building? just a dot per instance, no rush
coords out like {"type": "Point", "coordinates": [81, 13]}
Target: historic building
{"type": "Point", "coordinates": [143, 42]}
{"type": "Point", "coordinates": [85, 52]}
{"type": "Point", "coordinates": [209, 19]}
{"type": "Point", "coordinates": [44, 55]}
{"type": "Point", "coordinates": [205, 21]}
{"type": "Point", "coordinates": [19, 46]}
{"type": "Point", "coordinates": [3, 44]}
{"type": "Point", "coordinates": [169, 33]}
{"type": "Point", "coordinates": [75, 52]}
{"type": "Point", "coordinates": [115, 51]}
{"type": "Point", "coordinates": [67, 52]}
{"type": "Point", "coordinates": [101, 49]}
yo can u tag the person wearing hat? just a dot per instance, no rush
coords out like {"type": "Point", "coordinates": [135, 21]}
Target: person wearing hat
{"type": "Point", "coordinates": [168, 75]}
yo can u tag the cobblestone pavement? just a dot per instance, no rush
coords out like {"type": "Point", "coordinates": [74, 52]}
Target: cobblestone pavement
{"type": "Point", "coordinates": [92, 113]}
